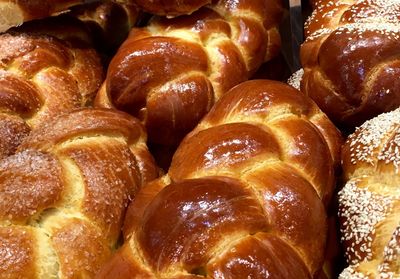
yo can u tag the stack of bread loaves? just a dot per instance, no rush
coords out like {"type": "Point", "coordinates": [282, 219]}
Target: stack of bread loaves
{"type": "Point", "coordinates": [350, 59]}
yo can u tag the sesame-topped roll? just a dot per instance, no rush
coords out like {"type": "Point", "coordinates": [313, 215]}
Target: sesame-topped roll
{"type": "Point", "coordinates": [351, 59]}
{"type": "Point", "coordinates": [369, 204]}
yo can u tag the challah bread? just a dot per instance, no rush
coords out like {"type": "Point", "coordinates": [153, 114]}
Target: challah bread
{"type": "Point", "coordinates": [41, 77]}
{"type": "Point", "coordinates": [170, 73]}
{"type": "Point", "coordinates": [350, 59]}
{"type": "Point", "coordinates": [244, 196]}
{"type": "Point", "coordinates": [63, 194]}
{"type": "Point", "coordinates": [15, 12]}
{"type": "Point", "coordinates": [370, 200]}
{"type": "Point", "coordinates": [171, 7]}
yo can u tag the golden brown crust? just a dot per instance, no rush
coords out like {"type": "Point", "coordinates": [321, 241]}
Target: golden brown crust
{"type": "Point", "coordinates": [17, 256]}
{"type": "Point", "coordinates": [369, 202]}
{"type": "Point", "coordinates": [304, 233]}
{"type": "Point", "coordinates": [240, 197]}
{"type": "Point", "coordinates": [239, 212]}
{"type": "Point", "coordinates": [69, 185]}
{"type": "Point", "coordinates": [135, 210]}
{"type": "Point", "coordinates": [12, 131]}
{"type": "Point", "coordinates": [350, 59]}
{"type": "Point", "coordinates": [170, 73]}
{"type": "Point", "coordinates": [42, 77]}
{"type": "Point", "coordinates": [80, 247]}
{"type": "Point", "coordinates": [274, 99]}
{"type": "Point", "coordinates": [123, 266]}
{"type": "Point", "coordinates": [96, 121]}
{"type": "Point", "coordinates": [269, 255]}
{"type": "Point", "coordinates": [30, 182]}
{"type": "Point", "coordinates": [224, 148]}
{"type": "Point", "coordinates": [117, 167]}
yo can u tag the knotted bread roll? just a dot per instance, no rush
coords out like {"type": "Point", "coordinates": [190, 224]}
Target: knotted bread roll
{"type": "Point", "coordinates": [63, 194]}
{"type": "Point", "coordinates": [350, 59]}
{"type": "Point", "coordinates": [244, 196]}
{"type": "Point", "coordinates": [369, 203]}
{"type": "Point", "coordinates": [170, 73]}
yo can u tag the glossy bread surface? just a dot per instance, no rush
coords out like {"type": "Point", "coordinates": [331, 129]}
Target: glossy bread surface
{"type": "Point", "coordinates": [244, 195]}
{"type": "Point", "coordinates": [170, 72]}
{"type": "Point", "coordinates": [350, 59]}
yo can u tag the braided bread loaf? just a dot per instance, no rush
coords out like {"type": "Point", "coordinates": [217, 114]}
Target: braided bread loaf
{"type": "Point", "coordinates": [370, 201]}
{"type": "Point", "coordinates": [244, 196]}
{"type": "Point", "coordinates": [63, 194]}
{"type": "Point", "coordinates": [171, 7]}
{"type": "Point", "coordinates": [41, 77]}
{"type": "Point", "coordinates": [350, 59]}
{"type": "Point", "coordinates": [16, 12]}
{"type": "Point", "coordinates": [170, 73]}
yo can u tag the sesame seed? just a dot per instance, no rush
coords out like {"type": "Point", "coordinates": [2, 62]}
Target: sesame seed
{"type": "Point", "coordinates": [378, 138]}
